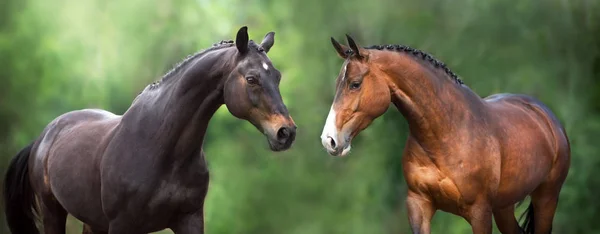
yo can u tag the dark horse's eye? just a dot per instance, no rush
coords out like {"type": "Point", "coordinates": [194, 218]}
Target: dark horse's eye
{"type": "Point", "coordinates": [251, 80]}
{"type": "Point", "coordinates": [354, 85]}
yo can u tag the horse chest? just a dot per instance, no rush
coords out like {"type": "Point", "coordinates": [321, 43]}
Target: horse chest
{"type": "Point", "coordinates": [159, 201]}
{"type": "Point", "coordinates": [425, 178]}
{"type": "Point", "coordinates": [184, 196]}
{"type": "Point", "coordinates": [430, 181]}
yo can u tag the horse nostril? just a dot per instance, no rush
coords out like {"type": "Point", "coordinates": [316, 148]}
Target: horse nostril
{"type": "Point", "coordinates": [331, 142]}
{"type": "Point", "coordinates": [283, 133]}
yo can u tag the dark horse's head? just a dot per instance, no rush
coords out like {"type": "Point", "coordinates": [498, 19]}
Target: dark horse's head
{"type": "Point", "coordinates": [251, 91]}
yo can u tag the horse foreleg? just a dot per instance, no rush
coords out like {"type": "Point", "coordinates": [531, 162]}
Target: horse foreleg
{"type": "Point", "coordinates": [88, 230]}
{"type": "Point", "coordinates": [420, 212]}
{"type": "Point", "coordinates": [480, 218]}
{"type": "Point", "coordinates": [506, 221]}
{"type": "Point", "coordinates": [190, 224]}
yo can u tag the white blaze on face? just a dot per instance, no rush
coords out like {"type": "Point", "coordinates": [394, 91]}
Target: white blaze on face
{"type": "Point", "coordinates": [329, 131]}
{"type": "Point", "coordinates": [344, 72]}
{"type": "Point", "coordinates": [265, 66]}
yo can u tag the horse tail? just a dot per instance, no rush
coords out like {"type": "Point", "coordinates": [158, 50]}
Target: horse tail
{"type": "Point", "coordinates": [19, 198]}
{"type": "Point", "coordinates": [528, 226]}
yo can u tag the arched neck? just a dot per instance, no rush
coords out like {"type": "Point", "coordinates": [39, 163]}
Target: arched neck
{"type": "Point", "coordinates": [434, 105]}
{"type": "Point", "coordinates": [173, 116]}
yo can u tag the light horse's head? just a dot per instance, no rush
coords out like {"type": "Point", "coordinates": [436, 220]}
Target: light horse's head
{"type": "Point", "coordinates": [362, 94]}
{"type": "Point", "coordinates": [251, 91]}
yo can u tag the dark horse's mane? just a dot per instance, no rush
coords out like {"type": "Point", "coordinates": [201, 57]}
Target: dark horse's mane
{"type": "Point", "coordinates": [189, 58]}
{"type": "Point", "coordinates": [415, 53]}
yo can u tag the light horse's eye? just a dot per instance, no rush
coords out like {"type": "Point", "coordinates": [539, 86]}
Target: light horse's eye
{"type": "Point", "coordinates": [252, 80]}
{"type": "Point", "coordinates": [354, 85]}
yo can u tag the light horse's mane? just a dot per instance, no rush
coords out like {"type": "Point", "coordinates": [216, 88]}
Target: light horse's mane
{"type": "Point", "coordinates": [418, 54]}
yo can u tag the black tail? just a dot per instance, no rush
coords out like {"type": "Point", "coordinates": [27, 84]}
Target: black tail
{"type": "Point", "coordinates": [528, 225]}
{"type": "Point", "coordinates": [19, 199]}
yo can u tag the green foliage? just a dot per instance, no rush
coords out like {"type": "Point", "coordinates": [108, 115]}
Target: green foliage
{"type": "Point", "coordinates": [63, 55]}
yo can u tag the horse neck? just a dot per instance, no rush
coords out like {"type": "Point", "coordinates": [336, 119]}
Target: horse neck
{"type": "Point", "coordinates": [174, 116]}
{"type": "Point", "coordinates": [434, 105]}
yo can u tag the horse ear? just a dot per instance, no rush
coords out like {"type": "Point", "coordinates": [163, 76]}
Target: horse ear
{"type": "Point", "coordinates": [268, 41]}
{"type": "Point", "coordinates": [241, 40]}
{"type": "Point", "coordinates": [359, 52]}
{"type": "Point", "coordinates": [340, 49]}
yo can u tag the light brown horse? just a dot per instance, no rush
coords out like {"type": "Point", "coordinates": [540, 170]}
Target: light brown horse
{"type": "Point", "coordinates": [465, 155]}
{"type": "Point", "coordinates": [145, 170]}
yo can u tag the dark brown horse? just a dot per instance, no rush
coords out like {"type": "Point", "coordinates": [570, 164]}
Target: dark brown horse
{"type": "Point", "coordinates": [145, 171]}
{"type": "Point", "coordinates": [465, 155]}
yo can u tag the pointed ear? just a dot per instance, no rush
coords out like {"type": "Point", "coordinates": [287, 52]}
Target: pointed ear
{"type": "Point", "coordinates": [359, 52]}
{"type": "Point", "coordinates": [241, 40]}
{"type": "Point", "coordinates": [268, 41]}
{"type": "Point", "coordinates": [340, 49]}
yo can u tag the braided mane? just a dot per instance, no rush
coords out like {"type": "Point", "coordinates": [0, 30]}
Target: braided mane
{"type": "Point", "coordinates": [415, 53]}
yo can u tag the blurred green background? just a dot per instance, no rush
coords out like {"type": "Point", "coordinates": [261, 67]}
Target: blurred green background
{"type": "Point", "coordinates": [61, 55]}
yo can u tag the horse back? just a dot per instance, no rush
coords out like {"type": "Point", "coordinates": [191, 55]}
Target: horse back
{"type": "Point", "coordinates": [74, 128]}
{"type": "Point", "coordinates": [523, 108]}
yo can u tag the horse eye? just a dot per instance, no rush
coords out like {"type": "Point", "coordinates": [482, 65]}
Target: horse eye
{"type": "Point", "coordinates": [354, 85]}
{"type": "Point", "coordinates": [251, 80]}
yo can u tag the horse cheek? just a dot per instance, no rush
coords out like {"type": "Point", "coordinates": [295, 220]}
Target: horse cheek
{"type": "Point", "coordinates": [235, 99]}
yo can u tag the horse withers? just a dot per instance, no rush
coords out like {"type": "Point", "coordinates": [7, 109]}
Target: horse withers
{"type": "Point", "coordinates": [469, 156]}
{"type": "Point", "coordinates": [145, 170]}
